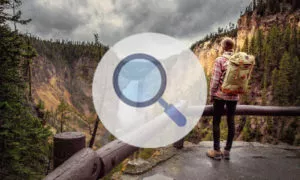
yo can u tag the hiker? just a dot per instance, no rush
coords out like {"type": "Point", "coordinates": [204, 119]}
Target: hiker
{"type": "Point", "coordinates": [219, 99]}
{"type": "Point", "coordinates": [230, 78]}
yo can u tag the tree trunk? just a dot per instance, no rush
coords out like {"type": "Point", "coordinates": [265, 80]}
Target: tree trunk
{"type": "Point", "coordinates": [30, 74]}
{"type": "Point", "coordinates": [94, 132]}
{"type": "Point", "coordinates": [61, 126]}
{"type": "Point", "coordinates": [61, 122]}
{"type": "Point", "coordinates": [14, 13]}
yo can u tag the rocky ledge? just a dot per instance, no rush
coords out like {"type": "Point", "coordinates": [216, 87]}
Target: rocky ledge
{"type": "Point", "coordinates": [249, 160]}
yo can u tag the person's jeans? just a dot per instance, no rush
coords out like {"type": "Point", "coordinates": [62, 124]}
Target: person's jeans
{"type": "Point", "coordinates": [218, 110]}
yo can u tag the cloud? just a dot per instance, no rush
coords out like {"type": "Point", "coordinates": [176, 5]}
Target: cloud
{"type": "Point", "coordinates": [113, 20]}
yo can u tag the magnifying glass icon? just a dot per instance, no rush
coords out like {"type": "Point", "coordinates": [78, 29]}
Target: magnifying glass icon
{"type": "Point", "coordinates": [140, 80]}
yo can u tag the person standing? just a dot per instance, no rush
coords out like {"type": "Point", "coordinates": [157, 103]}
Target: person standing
{"type": "Point", "coordinates": [220, 99]}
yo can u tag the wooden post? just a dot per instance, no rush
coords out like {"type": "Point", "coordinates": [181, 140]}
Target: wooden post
{"type": "Point", "coordinates": [65, 145]}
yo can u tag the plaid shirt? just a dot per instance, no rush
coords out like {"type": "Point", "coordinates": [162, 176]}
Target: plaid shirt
{"type": "Point", "coordinates": [216, 81]}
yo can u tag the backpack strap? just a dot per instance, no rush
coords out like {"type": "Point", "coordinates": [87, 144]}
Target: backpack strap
{"type": "Point", "coordinates": [238, 70]}
{"type": "Point", "coordinates": [226, 56]}
{"type": "Point", "coordinates": [252, 65]}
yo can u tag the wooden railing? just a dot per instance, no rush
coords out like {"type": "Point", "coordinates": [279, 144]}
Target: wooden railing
{"type": "Point", "coordinates": [73, 161]}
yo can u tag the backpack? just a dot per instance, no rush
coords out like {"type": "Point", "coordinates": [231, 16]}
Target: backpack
{"type": "Point", "coordinates": [239, 69]}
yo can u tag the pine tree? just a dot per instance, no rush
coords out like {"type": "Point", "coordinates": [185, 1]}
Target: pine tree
{"type": "Point", "coordinates": [62, 112]}
{"type": "Point", "coordinates": [252, 46]}
{"type": "Point", "coordinates": [295, 4]}
{"type": "Point", "coordinates": [275, 41]}
{"type": "Point", "coordinates": [266, 68]}
{"type": "Point", "coordinates": [258, 46]}
{"type": "Point", "coordinates": [287, 38]}
{"type": "Point", "coordinates": [16, 16]}
{"type": "Point", "coordinates": [260, 7]}
{"type": "Point", "coordinates": [23, 139]}
{"type": "Point", "coordinates": [29, 53]}
{"type": "Point", "coordinates": [283, 87]}
{"type": "Point", "coordinates": [254, 4]}
{"type": "Point", "coordinates": [295, 79]}
{"type": "Point", "coordinates": [273, 6]}
{"type": "Point", "coordinates": [274, 83]}
{"type": "Point", "coordinates": [294, 41]}
{"type": "Point", "coordinates": [246, 45]}
{"type": "Point", "coordinates": [270, 5]}
{"type": "Point", "coordinates": [277, 6]}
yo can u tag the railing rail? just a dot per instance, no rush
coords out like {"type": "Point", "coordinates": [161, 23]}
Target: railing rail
{"type": "Point", "coordinates": [255, 110]}
{"type": "Point", "coordinates": [90, 165]}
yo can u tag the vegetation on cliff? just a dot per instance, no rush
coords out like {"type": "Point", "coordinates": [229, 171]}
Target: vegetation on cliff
{"type": "Point", "coordinates": [66, 52]}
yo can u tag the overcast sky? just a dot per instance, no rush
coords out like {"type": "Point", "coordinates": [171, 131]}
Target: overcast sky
{"type": "Point", "coordinates": [187, 20]}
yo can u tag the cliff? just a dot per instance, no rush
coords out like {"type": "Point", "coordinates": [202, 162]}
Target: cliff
{"type": "Point", "coordinates": [247, 26]}
{"type": "Point", "coordinates": [62, 75]}
{"type": "Point", "coordinates": [276, 50]}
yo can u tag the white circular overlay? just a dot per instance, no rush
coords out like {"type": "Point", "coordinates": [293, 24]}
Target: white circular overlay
{"type": "Point", "coordinates": [179, 106]}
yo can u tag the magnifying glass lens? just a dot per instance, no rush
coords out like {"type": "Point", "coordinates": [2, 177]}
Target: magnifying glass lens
{"type": "Point", "coordinates": [139, 80]}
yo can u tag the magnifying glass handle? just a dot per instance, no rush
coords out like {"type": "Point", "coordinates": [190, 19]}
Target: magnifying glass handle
{"type": "Point", "coordinates": [173, 113]}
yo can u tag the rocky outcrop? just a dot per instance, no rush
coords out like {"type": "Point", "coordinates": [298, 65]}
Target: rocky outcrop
{"type": "Point", "coordinates": [53, 82]}
{"type": "Point", "coordinates": [247, 27]}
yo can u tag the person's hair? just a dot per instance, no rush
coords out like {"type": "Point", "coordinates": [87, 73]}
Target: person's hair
{"type": "Point", "coordinates": [227, 44]}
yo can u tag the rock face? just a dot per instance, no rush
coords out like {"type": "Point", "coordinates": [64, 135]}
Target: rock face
{"type": "Point", "coordinates": [247, 26]}
{"type": "Point", "coordinates": [53, 82]}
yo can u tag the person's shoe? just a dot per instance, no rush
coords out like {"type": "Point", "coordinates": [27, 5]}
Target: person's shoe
{"type": "Point", "coordinates": [217, 155]}
{"type": "Point", "coordinates": [226, 154]}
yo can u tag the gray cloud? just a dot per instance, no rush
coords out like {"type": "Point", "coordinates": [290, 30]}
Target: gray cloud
{"type": "Point", "coordinates": [49, 20]}
{"type": "Point", "coordinates": [187, 18]}
{"type": "Point", "coordinates": [113, 20]}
